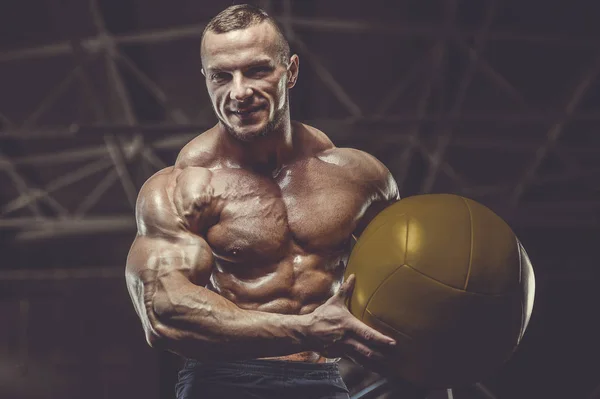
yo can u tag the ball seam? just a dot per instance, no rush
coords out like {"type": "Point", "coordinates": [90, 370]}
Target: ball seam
{"type": "Point", "coordinates": [377, 289]}
{"type": "Point", "coordinates": [471, 247]}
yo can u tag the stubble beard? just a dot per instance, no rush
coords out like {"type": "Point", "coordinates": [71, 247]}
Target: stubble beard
{"type": "Point", "coordinates": [269, 128]}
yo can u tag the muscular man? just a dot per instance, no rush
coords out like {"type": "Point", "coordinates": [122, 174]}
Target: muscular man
{"type": "Point", "coordinates": [241, 247]}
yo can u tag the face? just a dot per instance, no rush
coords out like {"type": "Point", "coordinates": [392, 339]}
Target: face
{"type": "Point", "coordinates": [246, 80]}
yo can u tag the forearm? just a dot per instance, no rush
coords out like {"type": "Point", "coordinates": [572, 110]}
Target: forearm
{"type": "Point", "coordinates": [198, 323]}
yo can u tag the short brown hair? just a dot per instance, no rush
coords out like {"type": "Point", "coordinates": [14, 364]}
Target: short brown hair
{"type": "Point", "coordinates": [242, 16]}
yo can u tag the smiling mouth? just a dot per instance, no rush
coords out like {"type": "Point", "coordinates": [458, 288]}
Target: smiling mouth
{"type": "Point", "coordinates": [247, 112]}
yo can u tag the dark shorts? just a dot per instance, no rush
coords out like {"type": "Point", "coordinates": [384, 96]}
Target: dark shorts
{"type": "Point", "coordinates": [260, 379]}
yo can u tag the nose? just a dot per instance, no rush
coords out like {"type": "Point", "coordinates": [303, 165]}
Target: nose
{"type": "Point", "coordinates": [240, 91]}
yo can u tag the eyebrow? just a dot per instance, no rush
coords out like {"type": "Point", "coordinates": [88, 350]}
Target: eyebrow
{"type": "Point", "coordinates": [252, 64]}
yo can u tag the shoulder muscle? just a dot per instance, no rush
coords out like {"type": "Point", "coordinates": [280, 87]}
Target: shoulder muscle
{"type": "Point", "coordinates": [366, 168]}
{"type": "Point", "coordinates": [172, 200]}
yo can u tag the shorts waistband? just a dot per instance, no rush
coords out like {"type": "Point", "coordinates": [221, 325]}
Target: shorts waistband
{"type": "Point", "coordinates": [281, 368]}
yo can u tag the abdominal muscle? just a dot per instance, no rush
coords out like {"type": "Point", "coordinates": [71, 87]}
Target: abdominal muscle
{"type": "Point", "coordinates": [289, 287]}
{"type": "Point", "coordinates": [310, 357]}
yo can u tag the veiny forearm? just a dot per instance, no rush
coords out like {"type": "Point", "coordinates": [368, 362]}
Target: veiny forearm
{"type": "Point", "coordinates": [198, 323]}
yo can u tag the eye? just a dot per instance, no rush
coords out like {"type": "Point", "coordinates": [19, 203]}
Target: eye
{"type": "Point", "coordinates": [259, 71]}
{"type": "Point", "coordinates": [219, 77]}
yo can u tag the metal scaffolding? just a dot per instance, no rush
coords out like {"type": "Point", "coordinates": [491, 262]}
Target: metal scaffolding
{"type": "Point", "coordinates": [120, 150]}
{"type": "Point", "coordinates": [33, 209]}
{"type": "Point", "coordinates": [126, 141]}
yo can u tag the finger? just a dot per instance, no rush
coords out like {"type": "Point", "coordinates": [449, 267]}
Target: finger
{"type": "Point", "coordinates": [371, 359]}
{"type": "Point", "coordinates": [372, 337]}
{"type": "Point", "coordinates": [346, 289]}
{"type": "Point", "coordinates": [357, 349]}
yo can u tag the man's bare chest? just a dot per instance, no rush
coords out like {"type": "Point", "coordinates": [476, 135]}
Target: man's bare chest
{"type": "Point", "coordinates": [313, 205]}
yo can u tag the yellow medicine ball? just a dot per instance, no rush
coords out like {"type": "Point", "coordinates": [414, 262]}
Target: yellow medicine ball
{"type": "Point", "coordinates": [449, 281]}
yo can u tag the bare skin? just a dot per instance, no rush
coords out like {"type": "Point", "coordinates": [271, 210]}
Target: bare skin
{"type": "Point", "coordinates": [242, 244]}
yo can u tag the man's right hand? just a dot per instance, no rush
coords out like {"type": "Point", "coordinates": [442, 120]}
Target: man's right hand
{"type": "Point", "coordinates": [339, 334]}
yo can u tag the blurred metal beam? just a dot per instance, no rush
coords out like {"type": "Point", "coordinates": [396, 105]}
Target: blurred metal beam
{"type": "Point", "coordinates": [485, 391]}
{"type": "Point", "coordinates": [328, 79]}
{"type": "Point", "coordinates": [153, 159]}
{"type": "Point", "coordinates": [439, 394]}
{"type": "Point", "coordinates": [402, 84]}
{"type": "Point", "coordinates": [95, 273]}
{"type": "Point", "coordinates": [176, 113]}
{"type": "Point", "coordinates": [444, 166]}
{"type": "Point", "coordinates": [401, 169]}
{"type": "Point", "coordinates": [47, 50]}
{"type": "Point", "coordinates": [372, 391]}
{"type": "Point", "coordinates": [120, 161]}
{"type": "Point", "coordinates": [116, 80]}
{"type": "Point", "coordinates": [556, 130]}
{"type": "Point", "coordinates": [87, 85]}
{"type": "Point", "coordinates": [404, 29]}
{"type": "Point", "coordinates": [121, 155]}
{"type": "Point", "coordinates": [28, 192]}
{"type": "Point", "coordinates": [61, 157]}
{"type": "Point", "coordinates": [100, 116]}
{"type": "Point", "coordinates": [503, 118]}
{"type": "Point", "coordinates": [175, 137]}
{"type": "Point", "coordinates": [69, 226]}
{"type": "Point", "coordinates": [19, 183]}
{"type": "Point", "coordinates": [516, 144]}
{"type": "Point", "coordinates": [490, 72]}
{"type": "Point", "coordinates": [445, 135]}
{"type": "Point", "coordinates": [96, 194]}
{"type": "Point", "coordinates": [424, 30]}
{"type": "Point", "coordinates": [438, 54]}
{"type": "Point", "coordinates": [563, 214]}
{"type": "Point", "coordinates": [568, 176]}
{"type": "Point", "coordinates": [56, 184]}
{"type": "Point", "coordinates": [286, 20]}
{"type": "Point", "coordinates": [62, 274]}
{"type": "Point", "coordinates": [50, 99]}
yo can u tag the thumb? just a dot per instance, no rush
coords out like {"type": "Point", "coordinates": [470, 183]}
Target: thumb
{"type": "Point", "coordinates": [347, 287]}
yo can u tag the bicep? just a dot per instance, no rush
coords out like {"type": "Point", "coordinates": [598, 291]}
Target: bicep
{"type": "Point", "coordinates": [164, 243]}
{"type": "Point", "coordinates": [165, 256]}
{"type": "Point", "coordinates": [188, 255]}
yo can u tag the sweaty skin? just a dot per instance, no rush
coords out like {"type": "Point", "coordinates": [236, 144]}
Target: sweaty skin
{"type": "Point", "coordinates": [242, 244]}
{"type": "Point", "coordinates": [269, 244]}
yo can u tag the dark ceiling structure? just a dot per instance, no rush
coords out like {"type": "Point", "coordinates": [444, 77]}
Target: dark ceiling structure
{"type": "Point", "coordinates": [498, 101]}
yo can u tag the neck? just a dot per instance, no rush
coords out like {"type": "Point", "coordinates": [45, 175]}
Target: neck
{"type": "Point", "coordinates": [266, 154]}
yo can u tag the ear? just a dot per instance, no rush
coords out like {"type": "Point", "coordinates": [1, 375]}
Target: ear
{"type": "Point", "coordinates": [293, 70]}
{"type": "Point", "coordinates": [202, 70]}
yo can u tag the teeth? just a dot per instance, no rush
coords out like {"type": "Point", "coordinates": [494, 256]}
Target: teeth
{"type": "Point", "coordinates": [245, 112]}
